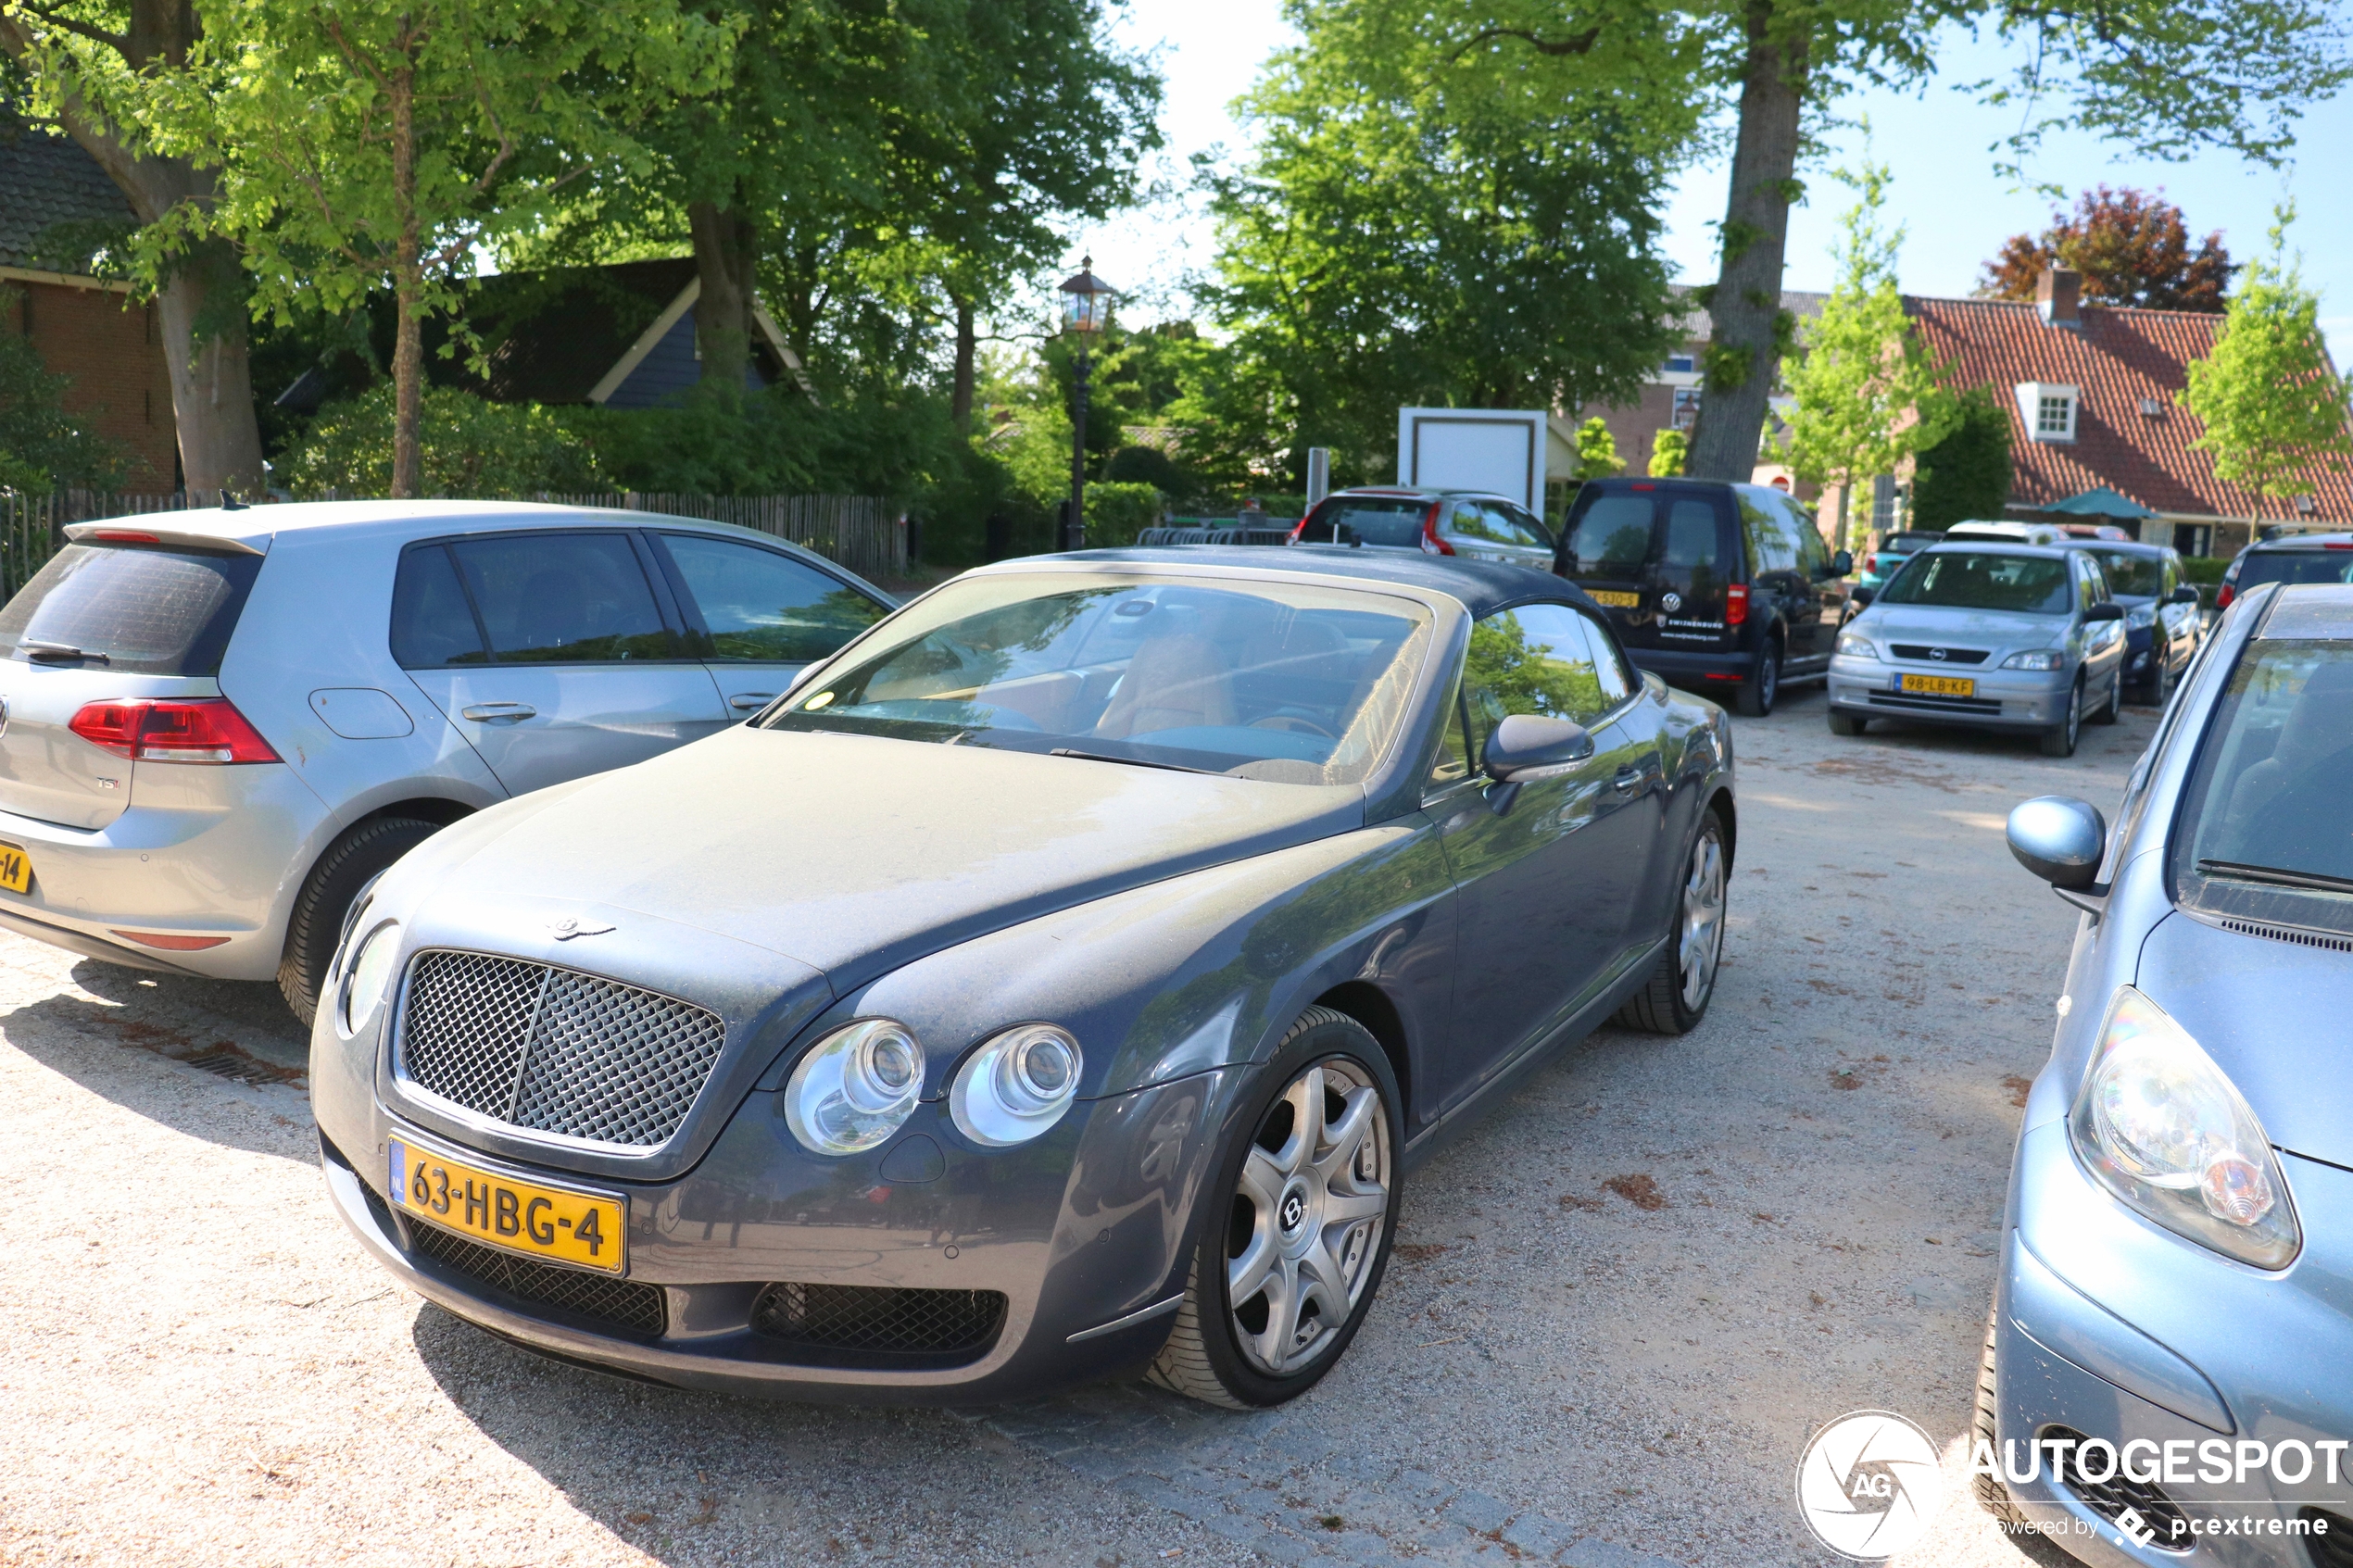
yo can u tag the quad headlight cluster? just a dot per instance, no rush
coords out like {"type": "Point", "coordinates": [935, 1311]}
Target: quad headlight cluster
{"type": "Point", "coordinates": [369, 975]}
{"type": "Point", "coordinates": [2159, 1126]}
{"type": "Point", "coordinates": [858, 1085]}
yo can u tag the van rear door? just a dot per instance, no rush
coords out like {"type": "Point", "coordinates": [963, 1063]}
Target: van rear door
{"type": "Point", "coordinates": [105, 622]}
{"type": "Point", "coordinates": [1607, 548]}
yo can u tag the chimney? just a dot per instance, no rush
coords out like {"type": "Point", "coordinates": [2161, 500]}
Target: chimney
{"type": "Point", "coordinates": [2059, 294]}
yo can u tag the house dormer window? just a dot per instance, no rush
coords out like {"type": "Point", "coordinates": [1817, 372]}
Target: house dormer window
{"type": "Point", "coordinates": [2048, 410]}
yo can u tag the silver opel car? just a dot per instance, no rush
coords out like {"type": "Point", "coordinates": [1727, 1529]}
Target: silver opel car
{"type": "Point", "coordinates": [1994, 636]}
{"type": "Point", "coordinates": [220, 725]}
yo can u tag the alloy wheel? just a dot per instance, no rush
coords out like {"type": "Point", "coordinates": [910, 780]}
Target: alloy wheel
{"type": "Point", "coordinates": [1703, 935]}
{"type": "Point", "coordinates": [1308, 1210]}
{"type": "Point", "coordinates": [2074, 714]}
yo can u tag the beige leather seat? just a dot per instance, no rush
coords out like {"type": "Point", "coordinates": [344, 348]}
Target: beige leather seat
{"type": "Point", "coordinates": [1173, 682]}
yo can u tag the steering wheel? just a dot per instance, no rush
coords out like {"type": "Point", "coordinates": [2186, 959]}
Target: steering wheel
{"type": "Point", "coordinates": [1293, 723]}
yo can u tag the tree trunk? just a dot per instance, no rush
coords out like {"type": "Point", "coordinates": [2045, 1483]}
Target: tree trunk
{"type": "Point", "coordinates": [726, 245]}
{"type": "Point", "coordinates": [408, 288]}
{"type": "Point", "coordinates": [1845, 490]}
{"type": "Point", "coordinates": [1743, 352]}
{"type": "Point", "coordinates": [960, 389]}
{"type": "Point", "coordinates": [204, 332]}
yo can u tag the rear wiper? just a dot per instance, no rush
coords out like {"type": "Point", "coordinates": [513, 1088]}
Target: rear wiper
{"type": "Point", "coordinates": [1131, 761]}
{"type": "Point", "coordinates": [60, 653]}
{"type": "Point", "coordinates": [2273, 875]}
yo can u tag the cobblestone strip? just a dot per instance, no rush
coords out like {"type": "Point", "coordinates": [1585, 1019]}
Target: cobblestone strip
{"type": "Point", "coordinates": [1277, 1484]}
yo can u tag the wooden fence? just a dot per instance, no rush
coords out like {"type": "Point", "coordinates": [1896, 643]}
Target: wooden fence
{"type": "Point", "coordinates": [865, 534]}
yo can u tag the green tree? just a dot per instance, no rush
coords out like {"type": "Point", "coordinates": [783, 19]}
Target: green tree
{"type": "Point", "coordinates": [1965, 474]}
{"type": "Point", "coordinates": [1597, 451]}
{"type": "Point", "coordinates": [469, 447]}
{"type": "Point", "coordinates": [42, 446]}
{"type": "Point", "coordinates": [1865, 395]}
{"type": "Point", "coordinates": [1668, 453]}
{"type": "Point", "coordinates": [2272, 407]}
{"type": "Point", "coordinates": [1426, 222]}
{"type": "Point", "coordinates": [363, 144]}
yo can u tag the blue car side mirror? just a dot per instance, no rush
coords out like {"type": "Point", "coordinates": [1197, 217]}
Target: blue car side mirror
{"type": "Point", "coordinates": [2061, 840]}
{"type": "Point", "coordinates": [2186, 594]}
{"type": "Point", "coordinates": [2107, 609]}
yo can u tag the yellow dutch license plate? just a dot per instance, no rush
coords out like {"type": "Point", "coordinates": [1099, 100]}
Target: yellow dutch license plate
{"type": "Point", "coordinates": [15, 870]}
{"type": "Point", "coordinates": [1936, 686]}
{"type": "Point", "coordinates": [1615, 597]}
{"type": "Point", "coordinates": [528, 1217]}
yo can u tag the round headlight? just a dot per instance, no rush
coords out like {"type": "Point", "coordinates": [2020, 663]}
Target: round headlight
{"type": "Point", "coordinates": [371, 975]}
{"type": "Point", "coordinates": [855, 1087]}
{"type": "Point", "coordinates": [1017, 1086]}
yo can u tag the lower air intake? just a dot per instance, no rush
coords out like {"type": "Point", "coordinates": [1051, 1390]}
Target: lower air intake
{"type": "Point", "coordinates": [2110, 1497]}
{"type": "Point", "coordinates": [879, 1319]}
{"type": "Point", "coordinates": [636, 1308]}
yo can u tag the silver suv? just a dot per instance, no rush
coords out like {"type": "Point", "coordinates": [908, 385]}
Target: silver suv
{"type": "Point", "coordinates": [218, 726]}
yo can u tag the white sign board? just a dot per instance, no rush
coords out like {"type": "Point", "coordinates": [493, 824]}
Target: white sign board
{"type": "Point", "coordinates": [1500, 450]}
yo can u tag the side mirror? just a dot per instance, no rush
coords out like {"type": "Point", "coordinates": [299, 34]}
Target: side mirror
{"type": "Point", "coordinates": [2061, 840]}
{"type": "Point", "coordinates": [1525, 747]}
{"type": "Point", "coordinates": [2184, 595]}
{"type": "Point", "coordinates": [1843, 564]}
{"type": "Point", "coordinates": [2107, 609]}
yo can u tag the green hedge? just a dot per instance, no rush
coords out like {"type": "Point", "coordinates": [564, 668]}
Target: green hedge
{"type": "Point", "coordinates": [2205, 570]}
{"type": "Point", "coordinates": [1117, 513]}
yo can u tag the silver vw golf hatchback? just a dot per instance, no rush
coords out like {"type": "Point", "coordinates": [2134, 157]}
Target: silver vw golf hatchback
{"type": "Point", "coordinates": [220, 725]}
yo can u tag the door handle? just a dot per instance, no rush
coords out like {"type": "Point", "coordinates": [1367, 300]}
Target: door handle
{"type": "Point", "coordinates": [744, 702]}
{"type": "Point", "coordinates": [1629, 779]}
{"type": "Point", "coordinates": [498, 712]}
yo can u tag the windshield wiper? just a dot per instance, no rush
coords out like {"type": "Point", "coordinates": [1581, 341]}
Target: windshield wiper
{"type": "Point", "coordinates": [2312, 881]}
{"type": "Point", "coordinates": [1135, 761]}
{"type": "Point", "coordinates": [60, 653]}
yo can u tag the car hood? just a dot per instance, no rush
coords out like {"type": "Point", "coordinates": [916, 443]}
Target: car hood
{"type": "Point", "coordinates": [855, 854]}
{"type": "Point", "coordinates": [1995, 629]}
{"type": "Point", "coordinates": [2272, 1015]}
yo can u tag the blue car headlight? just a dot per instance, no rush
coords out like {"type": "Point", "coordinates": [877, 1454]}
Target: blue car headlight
{"type": "Point", "coordinates": [855, 1087]}
{"type": "Point", "coordinates": [2141, 616]}
{"type": "Point", "coordinates": [1017, 1086]}
{"type": "Point", "coordinates": [2159, 1126]}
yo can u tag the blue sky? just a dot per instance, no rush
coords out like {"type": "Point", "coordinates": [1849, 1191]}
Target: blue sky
{"type": "Point", "coordinates": [1956, 212]}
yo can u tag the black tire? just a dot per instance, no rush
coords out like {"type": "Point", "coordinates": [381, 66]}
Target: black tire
{"type": "Point", "coordinates": [1204, 1357]}
{"type": "Point", "coordinates": [2060, 739]}
{"type": "Point", "coordinates": [1848, 723]}
{"type": "Point", "coordinates": [349, 866]}
{"type": "Point", "coordinates": [1666, 1004]}
{"type": "Point", "coordinates": [1992, 1495]}
{"type": "Point", "coordinates": [1755, 697]}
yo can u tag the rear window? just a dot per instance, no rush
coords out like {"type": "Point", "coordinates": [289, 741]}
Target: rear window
{"type": "Point", "coordinates": [1610, 538]}
{"type": "Point", "coordinates": [1966, 579]}
{"type": "Point", "coordinates": [132, 608]}
{"type": "Point", "coordinates": [1375, 521]}
{"type": "Point", "coordinates": [2133, 571]}
{"type": "Point", "coordinates": [2295, 566]}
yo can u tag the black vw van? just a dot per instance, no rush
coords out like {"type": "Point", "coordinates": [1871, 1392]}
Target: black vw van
{"type": "Point", "coordinates": [1714, 585]}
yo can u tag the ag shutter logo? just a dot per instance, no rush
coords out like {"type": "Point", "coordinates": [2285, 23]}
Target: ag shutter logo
{"type": "Point", "coordinates": [1868, 1485]}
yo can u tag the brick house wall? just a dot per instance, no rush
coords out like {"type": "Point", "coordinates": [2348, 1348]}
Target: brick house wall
{"type": "Point", "coordinates": [108, 348]}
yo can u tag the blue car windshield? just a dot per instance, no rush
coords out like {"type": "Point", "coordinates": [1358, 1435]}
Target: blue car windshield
{"type": "Point", "coordinates": [1287, 683]}
{"type": "Point", "coordinates": [2265, 832]}
{"type": "Point", "coordinates": [1968, 580]}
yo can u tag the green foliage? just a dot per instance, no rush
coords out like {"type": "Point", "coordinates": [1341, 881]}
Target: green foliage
{"type": "Point", "coordinates": [42, 446]}
{"type": "Point", "coordinates": [1432, 215]}
{"type": "Point", "coordinates": [1597, 452]}
{"type": "Point", "coordinates": [1149, 465]}
{"type": "Point", "coordinates": [1117, 513]}
{"type": "Point", "coordinates": [1865, 395]}
{"type": "Point", "coordinates": [1668, 453]}
{"type": "Point", "coordinates": [2273, 409]}
{"type": "Point", "coordinates": [877, 438]}
{"type": "Point", "coordinates": [2204, 571]}
{"type": "Point", "coordinates": [1504, 675]}
{"type": "Point", "coordinates": [1967, 475]}
{"type": "Point", "coordinates": [471, 448]}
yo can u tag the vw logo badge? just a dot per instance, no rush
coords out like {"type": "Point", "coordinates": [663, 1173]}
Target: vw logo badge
{"type": "Point", "coordinates": [1936, 653]}
{"type": "Point", "coordinates": [1671, 603]}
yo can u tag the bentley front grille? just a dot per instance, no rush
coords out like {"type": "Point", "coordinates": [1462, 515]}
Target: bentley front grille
{"type": "Point", "coordinates": [554, 1050]}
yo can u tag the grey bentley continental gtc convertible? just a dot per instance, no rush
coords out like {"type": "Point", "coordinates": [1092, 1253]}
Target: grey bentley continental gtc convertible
{"type": "Point", "coordinates": [1057, 982]}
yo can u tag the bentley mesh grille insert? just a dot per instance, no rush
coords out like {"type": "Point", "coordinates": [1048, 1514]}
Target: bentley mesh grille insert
{"type": "Point", "coordinates": [2111, 1497]}
{"type": "Point", "coordinates": [554, 1050]}
{"type": "Point", "coordinates": [639, 1309]}
{"type": "Point", "coordinates": [878, 1318]}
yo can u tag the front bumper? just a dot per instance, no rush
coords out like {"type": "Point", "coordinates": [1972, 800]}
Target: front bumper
{"type": "Point", "coordinates": [2114, 1328]}
{"type": "Point", "coordinates": [1084, 1233]}
{"type": "Point", "coordinates": [2003, 699]}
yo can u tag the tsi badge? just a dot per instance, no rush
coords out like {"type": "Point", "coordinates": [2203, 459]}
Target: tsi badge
{"type": "Point", "coordinates": [1868, 1485]}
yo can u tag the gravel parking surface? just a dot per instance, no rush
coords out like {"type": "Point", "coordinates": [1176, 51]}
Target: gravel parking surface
{"type": "Point", "coordinates": [1621, 1306]}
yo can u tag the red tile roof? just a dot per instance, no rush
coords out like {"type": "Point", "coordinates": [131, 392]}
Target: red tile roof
{"type": "Point", "coordinates": [2120, 355]}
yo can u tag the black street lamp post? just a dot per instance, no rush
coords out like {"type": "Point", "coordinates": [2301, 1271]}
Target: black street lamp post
{"type": "Point", "coordinates": [1086, 308]}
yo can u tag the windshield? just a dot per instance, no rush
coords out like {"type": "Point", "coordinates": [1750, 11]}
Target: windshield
{"type": "Point", "coordinates": [1377, 520]}
{"type": "Point", "coordinates": [2266, 832]}
{"type": "Point", "coordinates": [1275, 681]}
{"type": "Point", "coordinates": [1968, 580]}
{"type": "Point", "coordinates": [2131, 573]}
{"type": "Point", "coordinates": [134, 610]}
{"type": "Point", "coordinates": [2294, 566]}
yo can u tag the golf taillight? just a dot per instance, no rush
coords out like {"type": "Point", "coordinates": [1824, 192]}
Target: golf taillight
{"type": "Point", "coordinates": [1431, 544]}
{"type": "Point", "coordinates": [1736, 604]}
{"type": "Point", "coordinates": [204, 728]}
{"type": "Point", "coordinates": [1870, 563]}
{"type": "Point", "coordinates": [2223, 596]}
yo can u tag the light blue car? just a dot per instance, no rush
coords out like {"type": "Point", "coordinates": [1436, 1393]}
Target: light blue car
{"type": "Point", "coordinates": [2166, 1370]}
